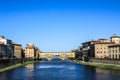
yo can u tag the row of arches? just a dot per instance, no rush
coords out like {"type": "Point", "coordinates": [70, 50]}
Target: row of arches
{"type": "Point", "coordinates": [56, 59]}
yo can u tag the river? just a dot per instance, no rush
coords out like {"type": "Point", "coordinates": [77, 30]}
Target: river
{"type": "Point", "coordinates": [59, 71]}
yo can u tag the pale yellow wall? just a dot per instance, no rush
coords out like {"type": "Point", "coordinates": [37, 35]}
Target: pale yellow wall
{"type": "Point", "coordinates": [114, 52]}
{"type": "Point", "coordinates": [116, 40]}
{"type": "Point", "coordinates": [101, 51]}
{"type": "Point", "coordinates": [17, 51]}
{"type": "Point", "coordinates": [29, 53]}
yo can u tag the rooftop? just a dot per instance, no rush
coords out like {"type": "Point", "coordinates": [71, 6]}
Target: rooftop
{"type": "Point", "coordinates": [104, 42]}
{"type": "Point", "coordinates": [102, 39]}
{"type": "Point", "coordinates": [115, 45]}
{"type": "Point", "coordinates": [90, 41]}
{"type": "Point", "coordinates": [115, 36]}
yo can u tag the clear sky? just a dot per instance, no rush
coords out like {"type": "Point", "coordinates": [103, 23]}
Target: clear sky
{"type": "Point", "coordinates": [58, 25]}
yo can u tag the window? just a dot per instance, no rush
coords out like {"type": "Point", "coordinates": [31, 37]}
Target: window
{"type": "Point", "coordinates": [113, 51]}
{"type": "Point", "coordinates": [113, 56]}
{"type": "Point", "coordinates": [110, 56]}
{"type": "Point", "coordinates": [116, 56]}
{"type": "Point", "coordinates": [109, 51]}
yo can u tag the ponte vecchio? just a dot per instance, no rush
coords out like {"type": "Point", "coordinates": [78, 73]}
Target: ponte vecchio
{"type": "Point", "coordinates": [61, 55]}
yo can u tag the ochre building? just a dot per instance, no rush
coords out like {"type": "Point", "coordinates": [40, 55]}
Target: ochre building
{"type": "Point", "coordinates": [17, 50]}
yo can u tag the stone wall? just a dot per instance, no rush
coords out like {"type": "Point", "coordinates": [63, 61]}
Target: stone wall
{"type": "Point", "coordinates": [8, 62]}
{"type": "Point", "coordinates": [105, 61]}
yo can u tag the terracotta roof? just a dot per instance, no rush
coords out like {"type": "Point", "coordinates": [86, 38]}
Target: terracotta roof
{"type": "Point", "coordinates": [114, 45]}
{"type": "Point", "coordinates": [16, 44]}
{"type": "Point", "coordinates": [115, 36]}
{"type": "Point", "coordinates": [29, 47]}
{"type": "Point", "coordinates": [104, 42]}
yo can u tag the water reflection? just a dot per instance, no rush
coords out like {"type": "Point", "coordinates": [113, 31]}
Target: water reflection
{"type": "Point", "coordinates": [59, 71]}
{"type": "Point", "coordinates": [102, 74]}
{"type": "Point", "coordinates": [108, 74]}
{"type": "Point", "coordinates": [29, 72]}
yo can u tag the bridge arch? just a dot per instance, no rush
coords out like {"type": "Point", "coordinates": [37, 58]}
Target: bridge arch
{"type": "Point", "coordinates": [63, 56]}
{"type": "Point", "coordinates": [56, 59]}
{"type": "Point", "coordinates": [45, 59]}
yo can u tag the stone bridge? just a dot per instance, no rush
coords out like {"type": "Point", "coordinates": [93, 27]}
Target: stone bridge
{"type": "Point", "coordinates": [61, 55]}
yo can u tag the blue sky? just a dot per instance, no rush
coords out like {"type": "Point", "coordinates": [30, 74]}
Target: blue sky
{"type": "Point", "coordinates": [58, 25]}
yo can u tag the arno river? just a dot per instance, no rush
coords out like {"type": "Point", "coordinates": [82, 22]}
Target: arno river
{"type": "Point", "coordinates": [59, 71]}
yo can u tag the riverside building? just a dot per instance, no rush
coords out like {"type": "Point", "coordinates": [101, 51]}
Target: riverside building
{"type": "Point", "coordinates": [114, 51]}
{"type": "Point", "coordinates": [17, 50]}
{"type": "Point", "coordinates": [31, 51]}
{"type": "Point", "coordinates": [6, 48]}
{"type": "Point", "coordinates": [102, 48]}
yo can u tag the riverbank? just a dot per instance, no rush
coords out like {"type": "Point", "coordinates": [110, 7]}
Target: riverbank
{"type": "Point", "coordinates": [16, 65]}
{"type": "Point", "coordinates": [99, 65]}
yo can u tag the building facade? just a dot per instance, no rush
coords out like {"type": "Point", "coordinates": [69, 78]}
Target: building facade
{"type": "Point", "coordinates": [115, 39]}
{"type": "Point", "coordinates": [101, 49]}
{"type": "Point", "coordinates": [17, 50]}
{"type": "Point", "coordinates": [88, 48]}
{"type": "Point", "coordinates": [3, 51]}
{"type": "Point", "coordinates": [97, 48]}
{"type": "Point", "coordinates": [31, 51]}
{"type": "Point", "coordinates": [9, 47]}
{"type": "Point", "coordinates": [114, 51]}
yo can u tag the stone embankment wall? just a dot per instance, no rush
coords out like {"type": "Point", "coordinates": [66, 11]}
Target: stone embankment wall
{"type": "Point", "coordinates": [8, 62]}
{"type": "Point", "coordinates": [105, 61]}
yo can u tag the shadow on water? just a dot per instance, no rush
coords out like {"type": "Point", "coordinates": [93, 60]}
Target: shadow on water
{"type": "Point", "coordinates": [101, 74]}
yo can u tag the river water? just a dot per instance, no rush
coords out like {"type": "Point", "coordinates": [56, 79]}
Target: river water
{"type": "Point", "coordinates": [59, 71]}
